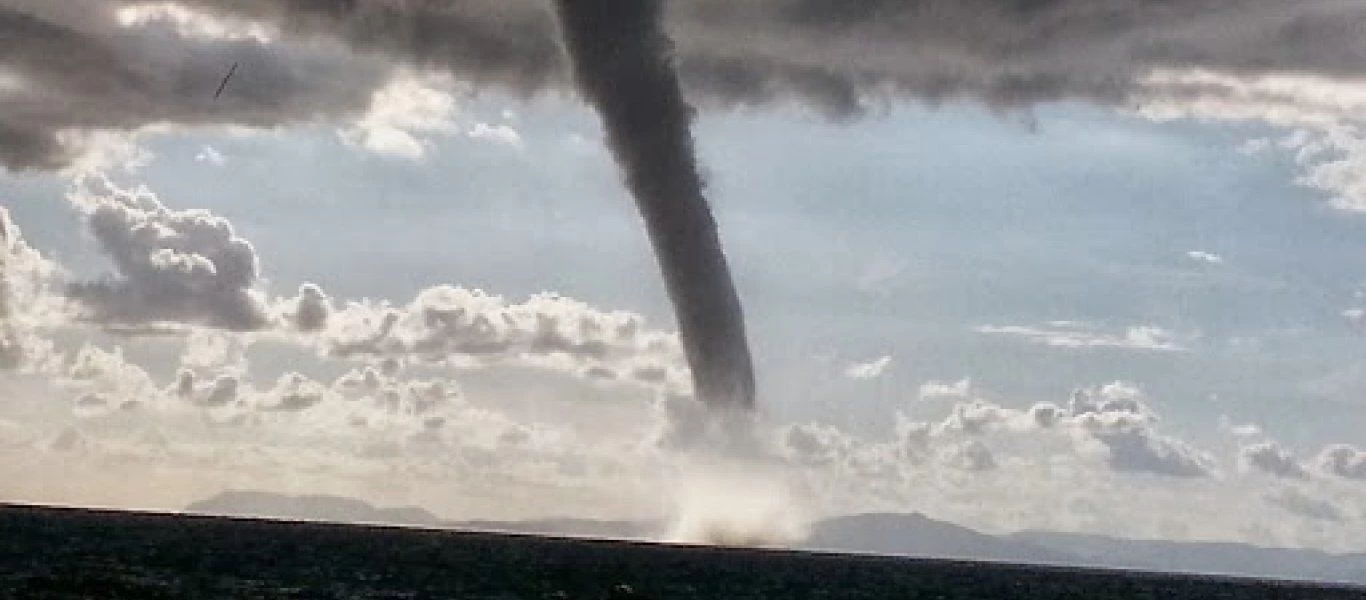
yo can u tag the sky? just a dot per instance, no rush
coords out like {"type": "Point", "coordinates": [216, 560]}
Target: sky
{"type": "Point", "coordinates": [1110, 283]}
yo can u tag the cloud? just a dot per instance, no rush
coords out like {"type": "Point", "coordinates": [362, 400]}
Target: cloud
{"type": "Point", "coordinates": [1242, 432]}
{"type": "Point", "coordinates": [186, 272]}
{"type": "Point", "coordinates": [223, 390]}
{"type": "Point", "coordinates": [171, 266]}
{"type": "Point", "coordinates": [1110, 425]}
{"type": "Point", "coordinates": [832, 55]}
{"type": "Point", "coordinates": [1138, 337]}
{"type": "Point", "coordinates": [1205, 257]}
{"type": "Point", "coordinates": [100, 151]}
{"type": "Point", "coordinates": [1269, 457]}
{"type": "Point", "coordinates": [402, 113]}
{"type": "Point", "coordinates": [1342, 460]}
{"type": "Point", "coordinates": [310, 310]}
{"type": "Point", "coordinates": [129, 62]}
{"type": "Point", "coordinates": [208, 154]}
{"type": "Point", "coordinates": [869, 370]}
{"type": "Point", "coordinates": [1322, 112]}
{"type": "Point", "coordinates": [1300, 503]}
{"type": "Point", "coordinates": [104, 381]}
{"type": "Point", "coordinates": [454, 325]}
{"type": "Point", "coordinates": [89, 70]}
{"type": "Point", "coordinates": [1117, 417]}
{"type": "Point", "coordinates": [26, 299]}
{"type": "Point", "coordinates": [192, 24]}
{"type": "Point", "coordinates": [932, 390]}
{"type": "Point", "coordinates": [971, 455]}
{"type": "Point", "coordinates": [502, 134]}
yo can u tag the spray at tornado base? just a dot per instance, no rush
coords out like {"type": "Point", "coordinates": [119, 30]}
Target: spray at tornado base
{"type": "Point", "coordinates": [621, 61]}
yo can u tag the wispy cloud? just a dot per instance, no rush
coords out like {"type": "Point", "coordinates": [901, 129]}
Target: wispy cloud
{"type": "Point", "coordinates": [933, 390]}
{"type": "Point", "coordinates": [1138, 337]}
{"type": "Point", "coordinates": [1205, 257]}
{"type": "Point", "coordinates": [868, 370]}
{"type": "Point", "coordinates": [210, 155]}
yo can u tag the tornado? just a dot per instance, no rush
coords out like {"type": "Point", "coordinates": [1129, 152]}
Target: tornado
{"type": "Point", "coordinates": [621, 60]}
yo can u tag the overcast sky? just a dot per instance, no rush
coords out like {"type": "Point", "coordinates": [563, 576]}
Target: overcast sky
{"type": "Point", "coordinates": [1112, 286]}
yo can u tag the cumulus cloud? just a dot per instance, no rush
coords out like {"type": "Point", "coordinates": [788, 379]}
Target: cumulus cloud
{"type": "Point", "coordinates": [187, 272]}
{"type": "Point", "coordinates": [1070, 335]}
{"type": "Point", "coordinates": [310, 310]}
{"type": "Point", "coordinates": [171, 266]}
{"type": "Point", "coordinates": [223, 390]}
{"type": "Point", "coordinates": [104, 381]}
{"type": "Point", "coordinates": [139, 58]}
{"type": "Point", "coordinates": [26, 299]}
{"type": "Point", "coordinates": [459, 326]}
{"type": "Point", "coordinates": [402, 114]}
{"type": "Point", "coordinates": [868, 370]}
{"type": "Point", "coordinates": [1111, 425]}
{"type": "Point", "coordinates": [1342, 460]}
{"type": "Point", "coordinates": [971, 455]}
{"type": "Point", "coordinates": [1119, 420]}
{"type": "Point", "coordinates": [1270, 457]}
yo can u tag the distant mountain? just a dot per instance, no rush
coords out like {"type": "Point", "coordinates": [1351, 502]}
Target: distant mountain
{"type": "Point", "coordinates": [918, 535]}
{"type": "Point", "coordinates": [884, 533]}
{"type": "Point", "coordinates": [1203, 557]}
{"type": "Point", "coordinates": [310, 507]}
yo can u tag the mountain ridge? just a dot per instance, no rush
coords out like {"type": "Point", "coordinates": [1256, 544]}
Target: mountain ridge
{"type": "Point", "coordinates": [906, 534]}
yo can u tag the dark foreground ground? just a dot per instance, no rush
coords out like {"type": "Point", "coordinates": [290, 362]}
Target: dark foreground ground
{"type": "Point", "coordinates": [73, 553]}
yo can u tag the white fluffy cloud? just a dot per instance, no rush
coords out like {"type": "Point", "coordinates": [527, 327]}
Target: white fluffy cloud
{"type": "Point", "coordinates": [464, 327]}
{"type": "Point", "coordinates": [26, 298]}
{"type": "Point", "coordinates": [404, 114]}
{"type": "Point", "coordinates": [187, 270]}
{"type": "Point", "coordinates": [1110, 423]}
{"type": "Point", "coordinates": [1323, 115]}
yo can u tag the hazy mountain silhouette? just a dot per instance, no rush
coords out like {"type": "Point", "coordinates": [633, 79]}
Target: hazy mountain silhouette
{"type": "Point", "coordinates": [1224, 558]}
{"type": "Point", "coordinates": [885, 533]}
{"type": "Point", "coordinates": [918, 535]}
{"type": "Point", "coordinates": [310, 507]}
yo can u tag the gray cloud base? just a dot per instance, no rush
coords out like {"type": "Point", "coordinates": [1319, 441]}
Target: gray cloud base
{"type": "Point", "coordinates": [82, 70]}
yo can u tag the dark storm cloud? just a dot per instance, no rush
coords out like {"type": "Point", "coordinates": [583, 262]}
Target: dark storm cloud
{"type": "Point", "coordinates": [86, 72]}
{"type": "Point", "coordinates": [82, 70]}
